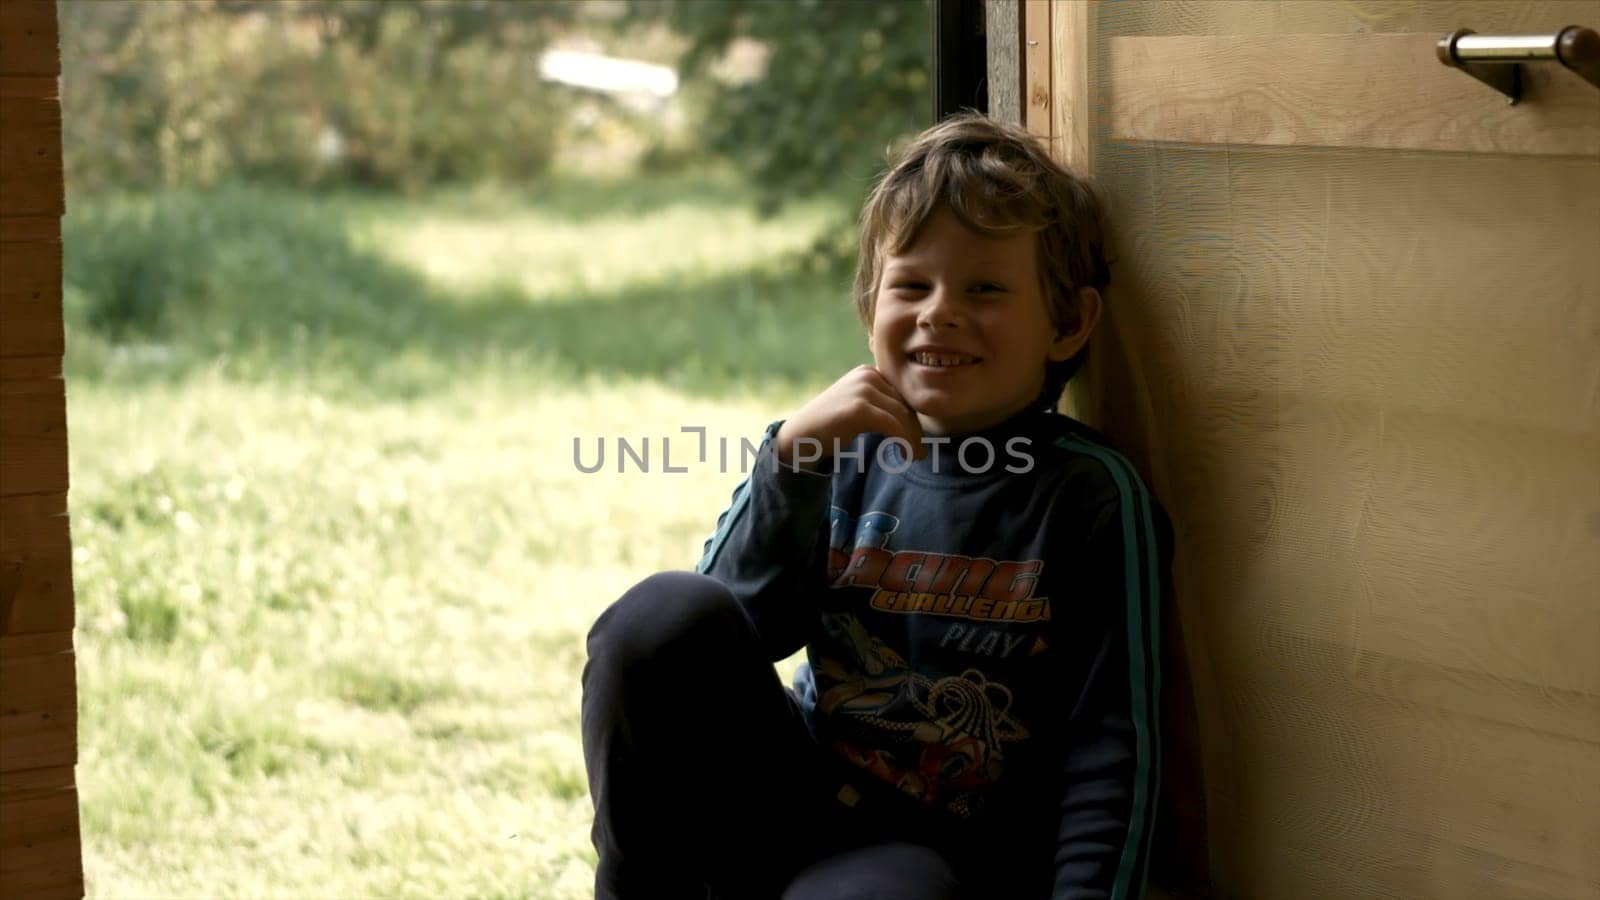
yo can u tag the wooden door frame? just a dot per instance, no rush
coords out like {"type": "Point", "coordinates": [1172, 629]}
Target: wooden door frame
{"type": "Point", "coordinates": [40, 851]}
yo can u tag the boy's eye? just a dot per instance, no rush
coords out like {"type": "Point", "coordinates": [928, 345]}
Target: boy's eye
{"type": "Point", "coordinates": [910, 286]}
{"type": "Point", "coordinates": [989, 286]}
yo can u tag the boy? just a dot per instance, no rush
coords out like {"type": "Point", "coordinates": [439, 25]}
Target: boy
{"type": "Point", "coordinates": [975, 580]}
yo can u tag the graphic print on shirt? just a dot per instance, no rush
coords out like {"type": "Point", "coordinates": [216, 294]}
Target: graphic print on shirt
{"type": "Point", "coordinates": [941, 584]}
{"type": "Point", "coordinates": [940, 740]}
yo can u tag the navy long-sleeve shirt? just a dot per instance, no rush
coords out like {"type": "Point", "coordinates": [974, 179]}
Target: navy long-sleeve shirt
{"type": "Point", "coordinates": [981, 636]}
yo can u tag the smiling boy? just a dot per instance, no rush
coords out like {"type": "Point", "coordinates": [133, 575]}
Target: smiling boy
{"type": "Point", "coordinates": [977, 714]}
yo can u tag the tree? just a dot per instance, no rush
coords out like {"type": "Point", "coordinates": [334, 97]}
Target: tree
{"type": "Point", "coordinates": [843, 80]}
{"type": "Point", "coordinates": [401, 93]}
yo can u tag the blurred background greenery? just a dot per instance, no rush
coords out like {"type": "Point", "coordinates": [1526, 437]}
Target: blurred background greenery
{"type": "Point", "coordinates": [344, 283]}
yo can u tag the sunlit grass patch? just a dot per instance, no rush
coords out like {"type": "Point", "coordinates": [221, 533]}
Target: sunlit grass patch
{"type": "Point", "coordinates": [369, 599]}
{"type": "Point", "coordinates": [333, 582]}
{"type": "Point", "coordinates": [382, 689]}
{"type": "Point", "coordinates": [576, 239]}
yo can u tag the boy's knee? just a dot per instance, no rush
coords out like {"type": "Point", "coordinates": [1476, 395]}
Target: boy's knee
{"type": "Point", "coordinates": [892, 871]}
{"type": "Point", "coordinates": [666, 612]}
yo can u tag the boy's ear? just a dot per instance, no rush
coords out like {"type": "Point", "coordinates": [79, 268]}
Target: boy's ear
{"type": "Point", "coordinates": [1074, 335]}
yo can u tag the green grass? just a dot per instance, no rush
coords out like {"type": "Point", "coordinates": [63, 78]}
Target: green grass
{"type": "Point", "coordinates": [334, 563]}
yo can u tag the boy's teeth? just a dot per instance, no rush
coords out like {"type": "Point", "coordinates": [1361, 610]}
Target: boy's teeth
{"type": "Point", "coordinates": [943, 359]}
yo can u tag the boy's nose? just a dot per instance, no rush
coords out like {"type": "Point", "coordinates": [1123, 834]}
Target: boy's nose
{"type": "Point", "coordinates": [939, 311]}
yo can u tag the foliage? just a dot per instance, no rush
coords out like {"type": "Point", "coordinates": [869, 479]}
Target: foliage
{"type": "Point", "coordinates": [408, 93]}
{"type": "Point", "coordinates": [842, 82]}
{"type": "Point", "coordinates": [396, 94]}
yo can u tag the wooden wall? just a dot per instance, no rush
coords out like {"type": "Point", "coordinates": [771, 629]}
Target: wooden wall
{"type": "Point", "coordinates": [1352, 342]}
{"type": "Point", "coordinates": [40, 856]}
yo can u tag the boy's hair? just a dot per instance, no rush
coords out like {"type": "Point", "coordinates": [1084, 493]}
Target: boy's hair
{"type": "Point", "coordinates": [998, 181]}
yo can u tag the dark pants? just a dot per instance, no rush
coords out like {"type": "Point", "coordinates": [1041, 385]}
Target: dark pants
{"type": "Point", "coordinates": [704, 775]}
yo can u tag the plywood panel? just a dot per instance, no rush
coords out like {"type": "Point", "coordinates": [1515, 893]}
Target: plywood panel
{"type": "Point", "coordinates": [1381, 91]}
{"type": "Point", "coordinates": [35, 565]}
{"type": "Point", "coordinates": [1412, 780]}
{"type": "Point", "coordinates": [1399, 557]}
{"type": "Point", "coordinates": [1365, 380]}
{"type": "Point", "coordinates": [33, 435]}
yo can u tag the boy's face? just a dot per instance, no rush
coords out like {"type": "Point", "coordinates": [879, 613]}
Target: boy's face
{"type": "Point", "coordinates": [961, 328]}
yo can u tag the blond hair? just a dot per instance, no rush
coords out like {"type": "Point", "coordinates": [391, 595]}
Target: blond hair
{"type": "Point", "coordinates": [997, 181]}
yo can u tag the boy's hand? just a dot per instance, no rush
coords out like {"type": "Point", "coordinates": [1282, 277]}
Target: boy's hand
{"type": "Point", "coordinates": [859, 402]}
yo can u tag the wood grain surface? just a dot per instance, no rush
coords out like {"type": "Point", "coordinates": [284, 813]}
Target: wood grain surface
{"type": "Point", "coordinates": [30, 299]}
{"type": "Point", "coordinates": [1071, 26]}
{"type": "Point", "coordinates": [1353, 342]}
{"type": "Point", "coordinates": [30, 147]}
{"type": "Point", "coordinates": [1036, 79]}
{"type": "Point", "coordinates": [40, 834]}
{"type": "Point", "coordinates": [1379, 91]}
{"type": "Point", "coordinates": [39, 713]}
{"type": "Point", "coordinates": [33, 428]}
{"type": "Point", "coordinates": [40, 852]}
{"type": "Point", "coordinates": [28, 39]}
{"type": "Point", "coordinates": [35, 566]}
{"type": "Point", "coordinates": [1002, 21]}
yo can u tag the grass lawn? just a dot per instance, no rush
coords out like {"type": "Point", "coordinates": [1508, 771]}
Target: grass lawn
{"type": "Point", "coordinates": [334, 562]}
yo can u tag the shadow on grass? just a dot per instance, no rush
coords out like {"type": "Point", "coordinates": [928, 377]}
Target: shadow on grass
{"type": "Point", "coordinates": [750, 327]}
{"type": "Point", "coordinates": [271, 287]}
{"type": "Point", "coordinates": [571, 198]}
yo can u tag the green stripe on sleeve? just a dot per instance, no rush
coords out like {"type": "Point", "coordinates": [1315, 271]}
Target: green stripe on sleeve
{"type": "Point", "coordinates": [1143, 598]}
{"type": "Point", "coordinates": [741, 499]}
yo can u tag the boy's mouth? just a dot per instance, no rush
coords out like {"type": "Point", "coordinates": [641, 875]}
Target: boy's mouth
{"type": "Point", "coordinates": [942, 359]}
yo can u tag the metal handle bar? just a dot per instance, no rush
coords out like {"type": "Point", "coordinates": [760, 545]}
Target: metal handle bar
{"type": "Point", "coordinates": [1495, 59]}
